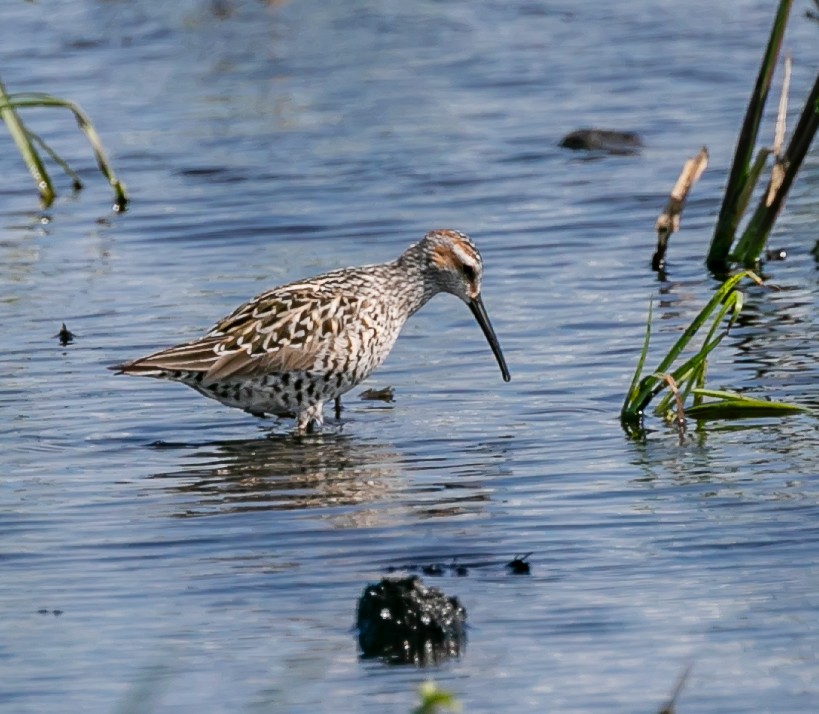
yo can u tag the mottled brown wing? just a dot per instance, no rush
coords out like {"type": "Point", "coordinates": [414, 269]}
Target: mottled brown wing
{"type": "Point", "coordinates": [288, 315]}
{"type": "Point", "coordinates": [197, 356]}
{"type": "Point", "coordinates": [241, 363]}
{"type": "Point", "coordinates": [282, 330]}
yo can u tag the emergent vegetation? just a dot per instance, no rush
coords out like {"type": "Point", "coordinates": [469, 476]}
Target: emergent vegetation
{"type": "Point", "coordinates": [680, 379]}
{"type": "Point", "coordinates": [687, 378]}
{"type": "Point", "coordinates": [28, 143]}
{"type": "Point", "coordinates": [745, 170]}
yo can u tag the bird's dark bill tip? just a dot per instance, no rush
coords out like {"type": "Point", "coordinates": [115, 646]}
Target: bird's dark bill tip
{"type": "Point", "coordinates": [479, 311]}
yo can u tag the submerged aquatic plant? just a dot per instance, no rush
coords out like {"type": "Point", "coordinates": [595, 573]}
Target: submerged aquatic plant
{"type": "Point", "coordinates": [28, 142]}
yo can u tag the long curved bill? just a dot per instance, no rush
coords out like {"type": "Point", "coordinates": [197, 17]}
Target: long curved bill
{"type": "Point", "coordinates": [479, 311]}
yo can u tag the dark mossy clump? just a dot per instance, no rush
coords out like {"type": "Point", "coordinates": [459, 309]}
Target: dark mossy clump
{"type": "Point", "coordinates": [603, 140]}
{"type": "Point", "coordinates": [402, 621]}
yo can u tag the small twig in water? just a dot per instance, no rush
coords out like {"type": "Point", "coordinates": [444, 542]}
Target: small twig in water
{"type": "Point", "coordinates": [668, 221]}
{"type": "Point", "coordinates": [778, 171]}
{"type": "Point", "coordinates": [679, 420]}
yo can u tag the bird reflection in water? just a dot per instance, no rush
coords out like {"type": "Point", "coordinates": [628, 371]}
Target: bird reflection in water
{"type": "Point", "coordinates": [272, 473]}
{"type": "Point", "coordinates": [329, 471]}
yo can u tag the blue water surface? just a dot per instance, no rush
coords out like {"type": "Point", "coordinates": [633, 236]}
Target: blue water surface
{"type": "Point", "coordinates": [161, 552]}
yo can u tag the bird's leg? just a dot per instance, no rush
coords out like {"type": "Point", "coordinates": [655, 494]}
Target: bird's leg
{"type": "Point", "coordinates": [311, 419]}
{"type": "Point", "coordinates": [338, 407]}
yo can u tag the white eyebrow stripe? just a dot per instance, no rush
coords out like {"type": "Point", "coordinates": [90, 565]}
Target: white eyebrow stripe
{"type": "Point", "coordinates": [467, 257]}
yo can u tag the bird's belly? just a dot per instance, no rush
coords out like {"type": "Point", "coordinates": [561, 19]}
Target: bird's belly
{"type": "Point", "coordinates": [343, 364]}
{"type": "Point", "coordinates": [284, 394]}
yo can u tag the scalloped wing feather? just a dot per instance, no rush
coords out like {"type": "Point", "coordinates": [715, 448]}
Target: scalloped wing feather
{"type": "Point", "coordinates": [282, 330]}
{"type": "Point", "coordinates": [243, 364]}
{"type": "Point", "coordinates": [197, 356]}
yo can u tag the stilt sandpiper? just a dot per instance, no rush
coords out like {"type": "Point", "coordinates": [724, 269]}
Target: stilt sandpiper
{"type": "Point", "coordinates": [289, 350]}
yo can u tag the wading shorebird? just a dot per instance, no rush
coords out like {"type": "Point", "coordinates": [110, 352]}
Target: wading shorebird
{"type": "Point", "coordinates": [289, 350]}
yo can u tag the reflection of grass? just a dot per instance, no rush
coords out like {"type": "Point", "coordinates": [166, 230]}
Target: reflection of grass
{"type": "Point", "coordinates": [688, 378]}
{"type": "Point", "coordinates": [28, 144]}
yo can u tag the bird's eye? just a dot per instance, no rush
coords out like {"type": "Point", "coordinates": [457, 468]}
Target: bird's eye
{"type": "Point", "coordinates": [470, 273]}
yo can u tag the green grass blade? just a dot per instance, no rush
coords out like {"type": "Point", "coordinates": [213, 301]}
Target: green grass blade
{"type": "Point", "coordinates": [85, 125]}
{"type": "Point", "coordinates": [692, 372]}
{"type": "Point", "coordinates": [719, 393]}
{"type": "Point", "coordinates": [743, 408]}
{"type": "Point", "coordinates": [690, 375]}
{"type": "Point", "coordinates": [120, 196]}
{"type": "Point", "coordinates": [722, 301]}
{"type": "Point", "coordinates": [627, 411]}
{"type": "Point", "coordinates": [729, 216]}
{"type": "Point", "coordinates": [719, 296]}
{"type": "Point", "coordinates": [750, 246]}
{"type": "Point", "coordinates": [732, 303]}
{"type": "Point", "coordinates": [22, 139]}
{"type": "Point", "coordinates": [697, 382]}
{"type": "Point", "coordinates": [57, 159]}
{"type": "Point", "coordinates": [754, 172]}
{"type": "Point", "coordinates": [687, 372]}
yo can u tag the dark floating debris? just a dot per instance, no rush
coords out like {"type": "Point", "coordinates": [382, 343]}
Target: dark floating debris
{"type": "Point", "coordinates": [518, 565]}
{"type": "Point", "coordinates": [162, 444]}
{"type": "Point", "coordinates": [402, 621]}
{"type": "Point", "coordinates": [65, 336]}
{"type": "Point", "coordinates": [458, 570]}
{"type": "Point", "coordinates": [605, 140]}
{"type": "Point", "coordinates": [776, 254]}
{"type": "Point", "coordinates": [46, 611]}
{"type": "Point", "coordinates": [434, 570]}
{"type": "Point", "coordinates": [387, 394]}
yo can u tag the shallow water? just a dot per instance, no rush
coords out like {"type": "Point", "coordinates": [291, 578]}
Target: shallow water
{"type": "Point", "coordinates": [210, 559]}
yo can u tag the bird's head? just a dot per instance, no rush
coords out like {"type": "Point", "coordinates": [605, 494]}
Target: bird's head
{"type": "Point", "coordinates": [453, 265]}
